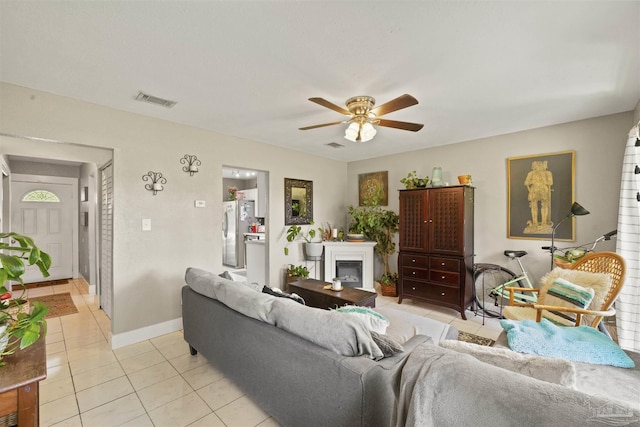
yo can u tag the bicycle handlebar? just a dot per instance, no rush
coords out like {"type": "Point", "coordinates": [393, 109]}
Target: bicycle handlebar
{"type": "Point", "coordinates": [606, 236]}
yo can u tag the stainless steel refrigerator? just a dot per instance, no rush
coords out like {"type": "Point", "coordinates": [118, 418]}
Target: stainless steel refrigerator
{"type": "Point", "coordinates": [236, 219]}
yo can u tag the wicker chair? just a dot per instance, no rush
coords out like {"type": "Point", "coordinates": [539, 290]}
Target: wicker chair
{"type": "Point", "coordinates": [596, 262]}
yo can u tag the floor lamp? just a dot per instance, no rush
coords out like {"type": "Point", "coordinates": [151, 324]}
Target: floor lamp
{"type": "Point", "coordinates": [576, 210]}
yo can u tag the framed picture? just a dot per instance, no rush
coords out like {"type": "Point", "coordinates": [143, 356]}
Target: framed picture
{"type": "Point", "coordinates": [370, 184]}
{"type": "Point", "coordinates": [540, 194]}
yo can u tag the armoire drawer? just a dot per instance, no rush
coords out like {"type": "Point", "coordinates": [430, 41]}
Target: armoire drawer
{"type": "Point", "coordinates": [443, 293]}
{"type": "Point", "coordinates": [446, 264]}
{"type": "Point", "coordinates": [412, 260]}
{"type": "Point", "coordinates": [446, 277]}
{"type": "Point", "coordinates": [415, 273]}
{"type": "Point", "coordinates": [415, 288]}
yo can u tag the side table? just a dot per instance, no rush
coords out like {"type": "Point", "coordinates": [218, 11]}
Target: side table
{"type": "Point", "coordinates": [315, 295]}
{"type": "Point", "coordinates": [19, 384]}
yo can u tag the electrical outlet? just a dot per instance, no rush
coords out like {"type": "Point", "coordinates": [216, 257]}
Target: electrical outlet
{"type": "Point", "coordinates": [199, 203]}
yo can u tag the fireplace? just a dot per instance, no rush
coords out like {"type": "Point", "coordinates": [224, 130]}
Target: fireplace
{"type": "Point", "coordinates": [349, 273]}
{"type": "Point", "coordinates": [354, 259]}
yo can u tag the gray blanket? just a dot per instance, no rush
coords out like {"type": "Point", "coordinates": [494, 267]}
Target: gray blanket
{"type": "Point", "coordinates": [440, 387]}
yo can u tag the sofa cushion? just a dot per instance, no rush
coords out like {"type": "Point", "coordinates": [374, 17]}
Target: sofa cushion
{"type": "Point", "coordinates": [403, 326]}
{"type": "Point", "coordinates": [238, 297]}
{"type": "Point", "coordinates": [557, 371]}
{"type": "Point", "coordinates": [388, 345]}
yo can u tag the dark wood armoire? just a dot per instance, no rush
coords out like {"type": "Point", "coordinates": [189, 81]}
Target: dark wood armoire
{"type": "Point", "coordinates": [435, 263]}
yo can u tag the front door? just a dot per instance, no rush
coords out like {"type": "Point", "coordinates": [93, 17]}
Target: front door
{"type": "Point", "coordinates": [44, 212]}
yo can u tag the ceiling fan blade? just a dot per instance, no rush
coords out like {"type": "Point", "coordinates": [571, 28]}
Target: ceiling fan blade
{"type": "Point", "coordinates": [414, 127]}
{"type": "Point", "coordinates": [322, 125]}
{"type": "Point", "coordinates": [403, 101]}
{"type": "Point", "coordinates": [330, 105]}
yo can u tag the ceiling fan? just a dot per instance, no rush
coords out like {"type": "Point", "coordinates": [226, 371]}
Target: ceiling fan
{"type": "Point", "coordinates": [363, 116]}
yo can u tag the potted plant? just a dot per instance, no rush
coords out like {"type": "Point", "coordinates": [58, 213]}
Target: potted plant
{"type": "Point", "coordinates": [19, 326]}
{"type": "Point", "coordinates": [412, 180]}
{"type": "Point", "coordinates": [295, 273]}
{"type": "Point", "coordinates": [313, 248]}
{"type": "Point", "coordinates": [388, 284]}
{"type": "Point", "coordinates": [379, 225]}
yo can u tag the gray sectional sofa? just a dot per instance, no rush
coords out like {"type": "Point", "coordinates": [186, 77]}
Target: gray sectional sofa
{"type": "Point", "coordinates": [311, 367]}
{"type": "Point", "coordinates": [297, 381]}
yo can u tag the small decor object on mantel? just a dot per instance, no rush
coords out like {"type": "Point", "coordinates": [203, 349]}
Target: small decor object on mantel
{"type": "Point", "coordinates": [191, 163]}
{"type": "Point", "coordinates": [156, 181]}
{"type": "Point", "coordinates": [436, 177]}
{"type": "Point", "coordinates": [20, 326]}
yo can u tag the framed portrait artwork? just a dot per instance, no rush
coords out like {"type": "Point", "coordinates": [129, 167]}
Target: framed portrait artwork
{"type": "Point", "coordinates": [373, 183]}
{"type": "Point", "coordinates": [540, 194]}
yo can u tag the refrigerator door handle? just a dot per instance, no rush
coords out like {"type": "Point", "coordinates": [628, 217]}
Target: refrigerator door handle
{"type": "Point", "coordinates": [225, 224]}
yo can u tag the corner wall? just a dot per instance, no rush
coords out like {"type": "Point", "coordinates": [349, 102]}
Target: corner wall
{"type": "Point", "coordinates": [149, 267]}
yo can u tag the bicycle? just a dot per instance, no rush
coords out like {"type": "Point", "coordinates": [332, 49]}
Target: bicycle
{"type": "Point", "coordinates": [490, 281]}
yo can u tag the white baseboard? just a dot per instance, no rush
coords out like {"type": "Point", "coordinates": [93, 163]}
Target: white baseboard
{"type": "Point", "coordinates": [146, 333]}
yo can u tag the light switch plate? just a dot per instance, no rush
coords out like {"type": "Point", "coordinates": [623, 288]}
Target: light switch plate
{"type": "Point", "coordinates": [199, 203]}
{"type": "Point", "coordinates": [146, 224]}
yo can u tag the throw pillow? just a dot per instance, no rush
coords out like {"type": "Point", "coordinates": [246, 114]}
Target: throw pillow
{"type": "Point", "coordinates": [580, 344]}
{"type": "Point", "coordinates": [279, 293]}
{"type": "Point", "coordinates": [563, 293]}
{"type": "Point", "coordinates": [375, 321]}
{"type": "Point", "coordinates": [226, 275]}
{"type": "Point", "coordinates": [388, 345]}
{"type": "Point", "coordinates": [599, 282]}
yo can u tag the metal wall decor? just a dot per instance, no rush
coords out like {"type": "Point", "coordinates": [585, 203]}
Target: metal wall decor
{"type": "Point", "coordinates": [156, 181]}
{"type": "Point", "coordinates": [191, 163]}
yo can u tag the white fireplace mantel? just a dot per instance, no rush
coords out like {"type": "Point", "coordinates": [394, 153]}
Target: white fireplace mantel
{"type": "Point", "coordinates": [350, 251]}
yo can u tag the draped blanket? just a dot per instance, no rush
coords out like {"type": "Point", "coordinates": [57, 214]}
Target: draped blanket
{"type": "Point", "coordinates": [440, 387]}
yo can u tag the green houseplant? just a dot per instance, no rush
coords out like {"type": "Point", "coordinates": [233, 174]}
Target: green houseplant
{"type": "Point", "coordinates": [379, 225]}
{"type": "Point", "coordinates": [311, 246]}
{"type": "Point", "coordinates": [20, 328]}
{"type": "Point", "coordinates": [412, 180]}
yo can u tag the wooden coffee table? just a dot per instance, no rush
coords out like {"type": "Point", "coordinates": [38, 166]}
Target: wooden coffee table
{"type": "Point", "coordinates": [315, 295]}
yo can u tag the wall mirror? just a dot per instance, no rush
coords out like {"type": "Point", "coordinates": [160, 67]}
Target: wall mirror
{"type": "Point", "coordinates": [298, 201]}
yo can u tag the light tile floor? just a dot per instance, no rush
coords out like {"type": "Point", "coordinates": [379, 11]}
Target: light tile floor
{"type": "Point", "coordinates": [156, 382]}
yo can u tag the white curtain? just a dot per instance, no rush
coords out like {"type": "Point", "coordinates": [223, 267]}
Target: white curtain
{"type": "Point", "coordinates": [628, 245]}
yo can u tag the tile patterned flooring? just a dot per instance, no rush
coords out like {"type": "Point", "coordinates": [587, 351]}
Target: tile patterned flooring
{"type": "Point", "coordinates": [156, 382]}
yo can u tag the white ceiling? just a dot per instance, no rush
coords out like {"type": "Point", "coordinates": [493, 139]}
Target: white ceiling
{"type": "Point", "coordinates": [243, 68]}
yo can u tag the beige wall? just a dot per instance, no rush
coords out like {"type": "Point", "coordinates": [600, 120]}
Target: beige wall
{"type": "Point", "coordinates": [599, 145]}
{"type": "Point", "coordinates": [148, 267]}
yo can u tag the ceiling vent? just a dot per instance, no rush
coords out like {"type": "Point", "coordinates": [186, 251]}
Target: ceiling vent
{"type": "Point", "coordinates": [143, 97]}
{"type": "Point", "coordinates": [335, 145]}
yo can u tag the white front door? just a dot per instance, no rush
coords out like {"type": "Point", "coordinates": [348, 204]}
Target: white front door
{"type": "Point", "coordinates": [44, 212]}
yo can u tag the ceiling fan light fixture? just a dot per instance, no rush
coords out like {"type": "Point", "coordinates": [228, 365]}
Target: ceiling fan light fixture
{"type": "Point", "coordinates": [352, 132]}
{"type": "Point", "coordinates": [367, 132]}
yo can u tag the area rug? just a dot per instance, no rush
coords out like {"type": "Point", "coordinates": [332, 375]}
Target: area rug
{"type": "Point", "coordinates": [475, 339]}
{"type": "Point", "coordinates": [59, 304]}
{"type": "Point", "coordinates": [46, 283]}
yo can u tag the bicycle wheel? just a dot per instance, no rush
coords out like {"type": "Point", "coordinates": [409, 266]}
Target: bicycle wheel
{"type": "Point", "coordinates": [486, 278]}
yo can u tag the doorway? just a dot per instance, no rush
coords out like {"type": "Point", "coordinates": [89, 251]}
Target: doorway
{"type": "Point", "coordinates": [43, 208]}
